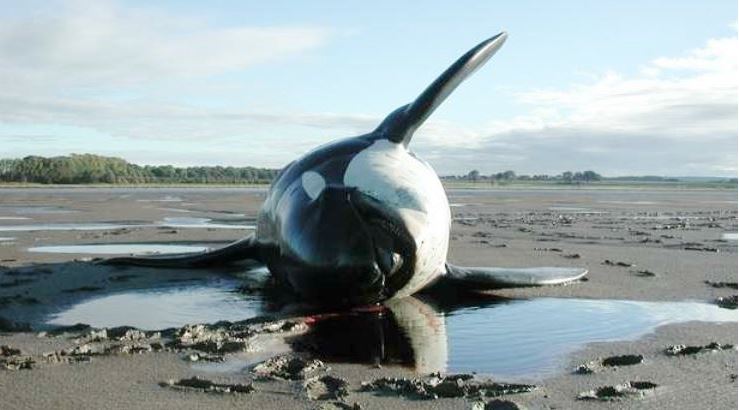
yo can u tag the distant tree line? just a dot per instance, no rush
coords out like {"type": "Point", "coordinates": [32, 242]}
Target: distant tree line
{"type": "Point", "coordinates": [567, 177]}
{"type": "Point", "coordinates": [93, 169]}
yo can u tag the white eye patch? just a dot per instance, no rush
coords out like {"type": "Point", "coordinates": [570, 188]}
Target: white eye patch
{"type": "Point", "coordinates": [313, 183]}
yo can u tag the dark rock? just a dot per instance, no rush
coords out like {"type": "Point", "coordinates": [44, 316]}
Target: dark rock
{"type": "Point", "coordinates": [621, 264]}
{"type": "Point", "coordinates": [498, 404]}
{"type": "Point", "coordinates": [683, 350]}
{"type": "Point", "coordinates": [87, 349]}
{"type": "Point", "coordinates": [288, 368]}
{"type": "Point", "coordinates": [133, 335]}
{"type": "Point", "coordinates": [409, 388]}
{"type": "Point", "coordinates": [458, 376]}
{"type": "Point", "coordinates": [645, 273]}
{"type": "Point", "coordinates": [327, 388]}
{"type": "Point", "coordinates": [17, 363]}
{"type": "Point", "coordinates": [61, 357]}
{"type": "Point", "coordinates": [701, 248]}
{"type": "Point", "coordinates": [643, 385]}
{"type": "Point", "coordinates": [210, 339]}
{"type": "Point", "coordinates": [450, 386]}
{"type": "Point", "coordinates": [94, 335]}
{"type": "Point", "coordinates": [572, 256]}
{"type": "Point", "coordinates": [608, 393]}
{"type": "Point", "coordinates": [624, 360]}
{"type": "Point", "coordinates": [728, 302]}
{"type": "Point", "coordinates": [119, 331]}
{"type": "Point", "coordinates": [203, 385]}
{"type": "Point", "coordinates": [338, 405]}
{"type": "Point", "coordinates": [11, 359]}
{"type": "Point", "coordinates": [585, 368]}
{"type": "Point", "coordinates": [712, 284]}
{"type": "Point", "coordinates": [7, 351]}
{"type": "Point", "coordinates": [205, 357]}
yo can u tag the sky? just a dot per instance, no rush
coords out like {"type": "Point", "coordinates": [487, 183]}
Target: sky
{"type": "Point", "coordinates": [622, 87]}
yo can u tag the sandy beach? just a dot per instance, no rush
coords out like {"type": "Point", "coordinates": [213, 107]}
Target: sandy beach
{"type": "Point", "coordinates": [652, 247]}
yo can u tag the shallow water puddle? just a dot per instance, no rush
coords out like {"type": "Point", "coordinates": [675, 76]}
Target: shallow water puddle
{"type": "Point", "coordinates": [173, 222]}
{"type": "Point", "coordinates": [512, 339]}
{"type": "Point", "coordinates": [519, 339]}
{"type": "Point", "coordinates": [167, 198]}
{"type": "Point", "coordinates": [179, 210]}
{"type": "Point", "coordinates": [187, 222]}
{"type": "Point", "coordinates": [532, 338]}
{"type": "Point", "coordinates": [575, 210]}
{"type": "Point", "coordinates": [163, 308]}
{"type": "Point", "coordinates": [65, 227]}
{"type": "Point", "coordinates": [119, 249]}
{"type": "Point", "coordinates": [629, 202]}
{"type": "Point", "coordinates": [36, 210]}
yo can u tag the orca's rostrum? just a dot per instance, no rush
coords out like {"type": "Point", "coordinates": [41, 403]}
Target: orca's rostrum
{"type": "Point", "coordinates": [363, 219]}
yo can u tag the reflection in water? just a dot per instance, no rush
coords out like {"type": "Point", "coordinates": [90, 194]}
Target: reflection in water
{"type": "Point", "coordinates": [511, 339]}
{"type": "Point", "coordinates": [119, 249]}
{"type": "Point", "coordinates": [172, 222]}
{"type": "Point", "coordinates": [514, 339]}
{"type": "Point", "coordinates": [407, 332]}
{"type": "Point", "coordinates": [163, 308]}
{"type": "Point", "coordinates": [532, 338]}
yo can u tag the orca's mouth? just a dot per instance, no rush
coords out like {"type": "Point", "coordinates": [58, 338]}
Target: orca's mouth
{"type": "Point", "coordinates": [394, 246]}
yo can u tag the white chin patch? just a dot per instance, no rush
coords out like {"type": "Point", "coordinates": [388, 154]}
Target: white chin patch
{"type": "Point", "coordinates": [387, 172]}
{"type": "Point", "coordinates": [313, 183]}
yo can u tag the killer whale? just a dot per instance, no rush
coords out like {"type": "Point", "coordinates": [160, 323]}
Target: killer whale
{"type": "Point", "coordinates": [363, 219]}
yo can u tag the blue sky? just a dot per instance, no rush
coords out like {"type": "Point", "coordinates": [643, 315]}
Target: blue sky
{"type": "Point", "coordinates": [621, 87]}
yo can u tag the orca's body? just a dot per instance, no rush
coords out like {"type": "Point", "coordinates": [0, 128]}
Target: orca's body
{"type": "Point", "coordinates": [363, 219]}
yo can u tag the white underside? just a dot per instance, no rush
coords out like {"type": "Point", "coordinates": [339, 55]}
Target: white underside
{"type": "Point", "coordinates": [389, 173]}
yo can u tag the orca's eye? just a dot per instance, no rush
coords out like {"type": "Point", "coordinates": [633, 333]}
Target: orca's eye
{"type": "Point", "coordinates": [313, 183]}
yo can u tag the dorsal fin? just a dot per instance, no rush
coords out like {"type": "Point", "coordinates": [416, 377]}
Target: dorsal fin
{"type": "Point", "coordinates": [400, 125]}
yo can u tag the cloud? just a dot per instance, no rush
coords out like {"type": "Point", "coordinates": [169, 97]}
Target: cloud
{"type": "Point", "coordinates": [677, 116]}
{"type": "Point", "coordinates": [65, 65]}
{"type": "Point", "coordinates": [97, 45]}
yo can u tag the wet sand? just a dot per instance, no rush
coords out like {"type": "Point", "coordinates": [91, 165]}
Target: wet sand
{"type": "Point", "coordinates": [647, 245]}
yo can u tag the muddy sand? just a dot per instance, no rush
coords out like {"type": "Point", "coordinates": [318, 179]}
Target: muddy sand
{"type": "Point", "coordinates": [651, 327]}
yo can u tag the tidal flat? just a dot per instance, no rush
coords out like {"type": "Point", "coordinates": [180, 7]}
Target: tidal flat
{"type": "Point", "coordinates": [662, 274]}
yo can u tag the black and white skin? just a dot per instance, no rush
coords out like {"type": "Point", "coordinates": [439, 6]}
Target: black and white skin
{"type": "Point", "coordinates": [363, 219]}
